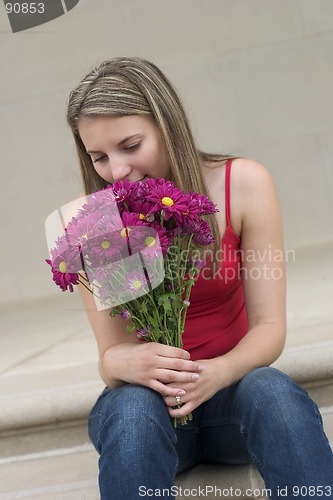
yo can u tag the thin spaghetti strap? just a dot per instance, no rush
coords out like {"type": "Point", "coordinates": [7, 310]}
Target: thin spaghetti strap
{"type": "Point", "coordinates": [227, 192]}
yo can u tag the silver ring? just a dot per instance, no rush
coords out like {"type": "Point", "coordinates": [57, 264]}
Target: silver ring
{"type": "Point", "coordinates": [178, 400]}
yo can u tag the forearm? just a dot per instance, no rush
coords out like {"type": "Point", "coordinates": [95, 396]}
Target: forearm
{"type": "Point", "coordinates": [261, 346]}
{"type": "Point", "coordinates": [108, 368]}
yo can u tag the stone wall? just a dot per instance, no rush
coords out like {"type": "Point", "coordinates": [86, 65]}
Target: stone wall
{"type": "Point", "coordinates": [255, 76]}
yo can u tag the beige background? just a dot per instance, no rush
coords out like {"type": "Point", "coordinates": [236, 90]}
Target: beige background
{"type": "Point", "coordinates": [256, 78]}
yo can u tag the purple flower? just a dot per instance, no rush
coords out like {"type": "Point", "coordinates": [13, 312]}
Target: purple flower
{"type": "Point", "coordinates": [122, 190]}
{"type": "Point", "coordinates": [201, 204]}
{"type": "Point", "coordinates": [199, 264]}
{"type": "Point", "coordinates": [136, 282]}
{"type": "Point", "coordinates": [80, 230]}
{"type": "Point", "coordinates": [125, 314]}
{"type": "Point", "coordinates": [143, 209]}
{"type": "Point", "coordinates": [167, 197]}
{"type": "Point", "coordinates": [143, 333]}
{"type": "Point", "coordinates": [100, 200]}
{"type": "Point", "coordinates": [62, 278]}
{"type": "Point", "coordinates": [66, 256]}
{"type": "Point", "coordinates": [202, 234]}
{"type": "Point", "coordinates": [106, 247]}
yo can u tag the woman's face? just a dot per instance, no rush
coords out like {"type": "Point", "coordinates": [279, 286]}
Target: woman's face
{"type": "Point", "coordinates": [124, 147]}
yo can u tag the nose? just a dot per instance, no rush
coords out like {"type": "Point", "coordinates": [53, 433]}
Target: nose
{"type": "Point", "coordinates": [119, 169]}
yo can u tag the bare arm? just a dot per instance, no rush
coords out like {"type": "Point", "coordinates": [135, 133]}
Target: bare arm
{"type": "Point", "coordinates": [264, 287]}
{"type": "Point", "coordinates": [263, 269]}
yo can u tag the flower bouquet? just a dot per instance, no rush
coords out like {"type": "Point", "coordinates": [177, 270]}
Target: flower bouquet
{"type": "Point", "coordinates": [136, 246]}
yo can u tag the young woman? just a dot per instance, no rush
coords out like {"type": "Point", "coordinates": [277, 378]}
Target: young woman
{"type": "Point", "coordinates": [128, 123]}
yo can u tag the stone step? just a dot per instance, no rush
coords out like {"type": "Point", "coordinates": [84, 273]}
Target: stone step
{"type": "Point", "coordinates": [49, 381]}
{"type": "Point", "coordinates": [45, 450]}
{"type": "Point", "coordinates": [65, 393]}
{"type": "Point", "coordinates": [65, 467]}
{"type": "Point", "coordinates": [58, 462]}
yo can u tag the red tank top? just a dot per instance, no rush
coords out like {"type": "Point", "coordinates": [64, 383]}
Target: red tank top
{"type": "Point", "coordinates": [216, 317]}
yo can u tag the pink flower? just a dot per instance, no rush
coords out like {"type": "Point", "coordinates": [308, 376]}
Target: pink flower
{"type": "Point", "coordinates": [62, 278]}
{"type": "Point", "coordinates": [143, 209]}
{"type": "Point", "coordinates": [80, 230]}
{"type": "Point", "coordinates": [105, 247]}
{"type": "Point", "coordinates": [122, 190]}
{"type": "Point", "coordinates": [199, 264]}
{"type": "Point", "coordinates": [201, 204]}
{"type": "Point", "coordinates": [167, 197]}
{"type": "Point", "coordinates": [135, 282]}
{"type": "Point", "coordinates": [66, 256]}
{"type": "Point", "coordinates": [143, 333]}
{"type": "Point", "coordinates": [202, 232]}
{"type": "Point", "coordinates": [125, 314]}
{"type": "Point", "coordinates": [100, 200]}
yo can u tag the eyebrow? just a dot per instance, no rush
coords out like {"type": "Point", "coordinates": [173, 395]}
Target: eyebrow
{"type": "Point", "coordinates": [119, 143]}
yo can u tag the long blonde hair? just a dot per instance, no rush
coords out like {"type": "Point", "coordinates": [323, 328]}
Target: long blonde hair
{"type": "Point", "coordinates": [134, 86]}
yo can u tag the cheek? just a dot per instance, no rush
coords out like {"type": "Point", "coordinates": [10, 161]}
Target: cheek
{"type": "Point", "coordinates": [103, 173]}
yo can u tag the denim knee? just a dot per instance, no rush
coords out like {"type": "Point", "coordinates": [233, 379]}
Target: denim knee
{"type": "Point", "coordinates": [133, 410]}
{"type": "Point", "coordinates": [279, 397]}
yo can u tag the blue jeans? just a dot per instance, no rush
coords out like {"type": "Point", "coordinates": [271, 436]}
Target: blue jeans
{"type": "Point", "coordinates": [266, 419]}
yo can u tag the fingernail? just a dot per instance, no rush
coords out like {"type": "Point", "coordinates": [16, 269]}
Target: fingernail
{"type": "Point", "coordinates": [195, 376]}
{"type": "Point", "coordinates": [200, 368]}
{"type": "Point", "coordinates": [181, 392]}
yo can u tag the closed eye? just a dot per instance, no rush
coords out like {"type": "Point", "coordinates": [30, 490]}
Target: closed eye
{"type": "Point", "coordinates": [132, 147]}
{"type": "Point", "coordinates": [100, 158]}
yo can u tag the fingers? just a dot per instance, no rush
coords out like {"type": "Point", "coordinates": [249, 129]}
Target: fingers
{"type": "Point", "coordinates": [184, 410]}
{"type": "Point", "coordinates": [179, 406]}
{"type": "Point", "coordinates": [167, 376]}
{"type": "Point", "coordinates": [168, 351]}
{"type": "Point", "coordinates": [179, 365]}
{"type": "Point", "coordinates": [167, 391]}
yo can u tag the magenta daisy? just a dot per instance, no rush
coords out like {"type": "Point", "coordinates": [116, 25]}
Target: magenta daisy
{"type": "Point", "coordinates": [167, 197]}
{"type": "Point", "coordinates": [81, 230]}
{"type": "Point", "coordinates": [122, 191]}
{"type": "Point", "coordinates": [62, 278]}
{"type": "Point", "coordinates": [202, 234]}
{"type": "Point", "coordinates": [201, 204]}
{"type": "Point", "coordinates": [143, 209]}
{"type": "Point", "coordinates": [136, 282]}
{"type": "Point", "coordinates": [66, 256]}
{"type": "Point", "coordinates": [100, 200]}
{"type": "Point", "coordinates": [107, 246]}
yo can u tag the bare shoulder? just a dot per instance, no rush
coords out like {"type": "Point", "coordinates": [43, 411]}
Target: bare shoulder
{"type": "Point", "coordinates": [249, 173]}
{"type": "Point", "coordinates": [251, 182]}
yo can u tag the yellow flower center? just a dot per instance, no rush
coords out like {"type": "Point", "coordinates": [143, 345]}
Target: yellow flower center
{"type": "Point", "coordinates": [63, 267]}
{"type": "Point", "coordinates": [105, 244]}
{"type": "Point", "coordinates": [125, 232]}
{"type": "Point", "coordinates": [168, 202]}
{"type": "Point", "coordinates": [141, 216]}
{"type": "Point", "coordinates": [150, 241]}
{"type": "Point", "coordinates": [137, 284]}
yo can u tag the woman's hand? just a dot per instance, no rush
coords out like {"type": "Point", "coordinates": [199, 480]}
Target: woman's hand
{"type": "Point", "coordinates": [210, 381]}
{"type": "Point", "coordinates": [163, 368]}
